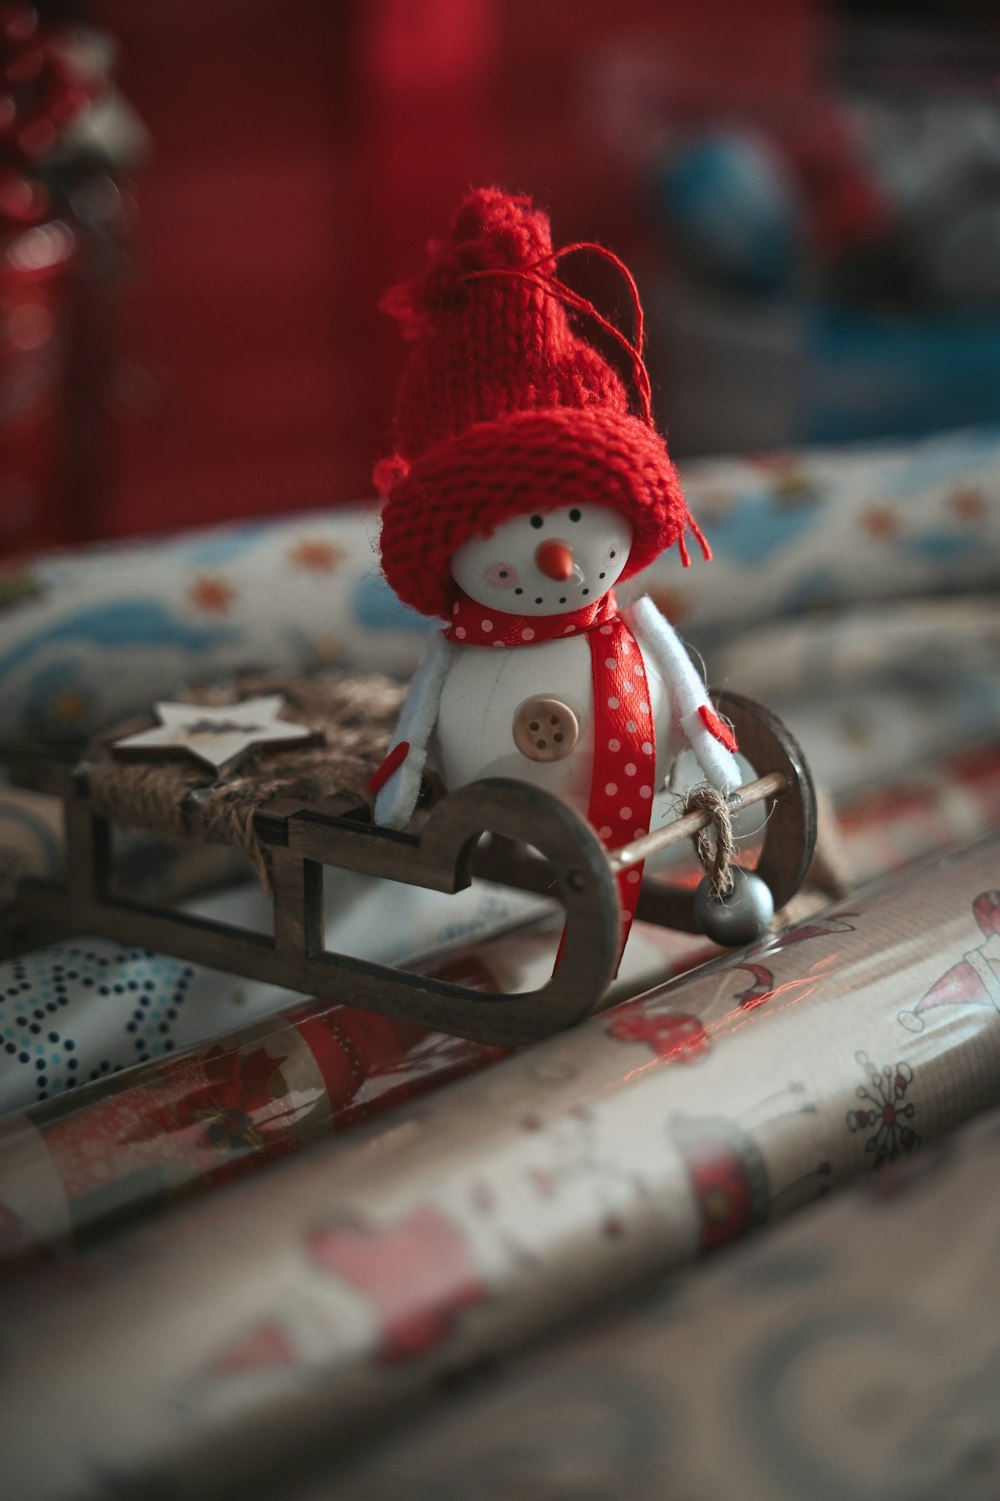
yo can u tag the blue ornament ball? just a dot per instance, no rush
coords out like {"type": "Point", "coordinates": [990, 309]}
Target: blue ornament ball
{"type": "Point", "coordinates": [730, 206]}
{"type": "Point", "coordinates": [736, 919]}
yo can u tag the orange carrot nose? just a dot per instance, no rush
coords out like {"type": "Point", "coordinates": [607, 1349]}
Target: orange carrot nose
{"type": "Point", "coordinates": [555, 559]}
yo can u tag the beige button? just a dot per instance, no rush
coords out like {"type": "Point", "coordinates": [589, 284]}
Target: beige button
{"type": "Point", "coordinates": [545, 729]}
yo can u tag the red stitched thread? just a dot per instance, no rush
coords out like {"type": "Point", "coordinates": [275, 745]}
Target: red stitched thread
{"type": "Point", "coordinates": [391, 764]}
{"type": "Point", "coordinates": [717, 727]}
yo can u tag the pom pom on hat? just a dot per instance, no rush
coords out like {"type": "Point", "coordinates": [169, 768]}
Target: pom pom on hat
{"type": "Point", "coordinates": [502, 408]}
{"type": "Point", "coordinates": [491, 230]}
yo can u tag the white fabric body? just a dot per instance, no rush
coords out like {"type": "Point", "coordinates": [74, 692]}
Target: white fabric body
{"type": "Point", "coordinates": [396, 801]}
{"type": "Point", "coordinates": [687, 694]}
{"type": "Point", "coordinates": [482, 693]}
{"type": "Point", "coordinates": [461, 707]}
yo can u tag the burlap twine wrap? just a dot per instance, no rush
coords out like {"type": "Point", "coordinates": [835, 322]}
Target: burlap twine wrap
{"type": "Point", "coordinates": [357, 715]}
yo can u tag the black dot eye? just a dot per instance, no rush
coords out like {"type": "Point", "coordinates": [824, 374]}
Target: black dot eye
{"type": "Point", "coordinates": [601, 575]}
{"type": "Point", "coordinates": [538, 601]}
{"type": "Point", "coordinates": [574, 514]}
{"type": "Point", "coordinates": [537, 521]}
{"type": "Point", "coordinates": [612, 552]}
{"type": "Point", "coordinates": [518, 591]}
{"type": "Point", "coordinates": [503, 573]}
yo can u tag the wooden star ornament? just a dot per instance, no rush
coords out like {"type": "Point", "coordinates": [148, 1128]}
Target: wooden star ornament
{"type": "Point", "coordinates": [218, 736]}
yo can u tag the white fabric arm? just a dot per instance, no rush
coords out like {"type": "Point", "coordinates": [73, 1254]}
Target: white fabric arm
{"type": "Point", "coordinates": [396, 801]}
{"type": "Point", "coordinates": [687, 694]}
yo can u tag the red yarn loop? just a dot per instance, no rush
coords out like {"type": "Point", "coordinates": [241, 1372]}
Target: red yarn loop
{"type": "Point", "coordinates": [551, 285]}
{"type": "Point", "coordinates": [699, 537]}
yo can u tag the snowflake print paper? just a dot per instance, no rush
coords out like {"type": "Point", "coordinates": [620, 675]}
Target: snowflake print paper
{"type": "Point", "coordinates": [886, 1113]}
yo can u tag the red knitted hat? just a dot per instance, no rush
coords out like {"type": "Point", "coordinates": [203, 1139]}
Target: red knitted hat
{"type": "Point", "coordinates": [503, 409]}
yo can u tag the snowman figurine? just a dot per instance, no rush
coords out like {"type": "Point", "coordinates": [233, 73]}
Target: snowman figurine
{"type": "Point", "coordinates": [522, 489]}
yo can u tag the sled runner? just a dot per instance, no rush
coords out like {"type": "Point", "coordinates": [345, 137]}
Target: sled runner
{"type": "Point", "coordinates": [532, 840]}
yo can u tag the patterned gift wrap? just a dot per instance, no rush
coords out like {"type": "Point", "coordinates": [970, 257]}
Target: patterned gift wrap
{"type": "Point", "coordinates": [849, 1356]}
{"type": "Point", "coordinates": [87, 638]}
{"type": "Point", "coordinates": [873, 691]}
{"type": "Point", "coordinates": [31, 837]}
{"type": "Point", "coordinates": [72, 1169]}
{"type": "Point", "coordinates": [86, 1009]}
{"type": "Point", "coordinates": [239, 1333]}
{"type": "Point", "coordinates": [945, 803]}
{"type": "Point", "coordinates": [137, 1142]}
{"type": "Point", "coordinates": [818, 528]}
{"type": "Point", "coordinates": [179, 1126]}
{"type": "Point", "coordinates": [154, 869]}
{"type": "Point", "coordinates": [183, 1125]}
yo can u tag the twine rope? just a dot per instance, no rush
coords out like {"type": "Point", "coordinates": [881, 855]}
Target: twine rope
{"type": "Point", "coordinates": [715, 844]}
{"type": "Point", "coordinates": [356, 713]}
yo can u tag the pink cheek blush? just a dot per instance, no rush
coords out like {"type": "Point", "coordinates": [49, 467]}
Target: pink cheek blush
{"type": "Point", "coordinates": [500, 576]}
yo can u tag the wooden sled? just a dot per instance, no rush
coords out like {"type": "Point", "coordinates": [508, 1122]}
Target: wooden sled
{"type": "Point", "coordinates": [301, 838]}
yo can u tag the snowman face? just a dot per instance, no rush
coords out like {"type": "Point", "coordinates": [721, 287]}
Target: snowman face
{"type": "Point", "coordinates": [545, 562]}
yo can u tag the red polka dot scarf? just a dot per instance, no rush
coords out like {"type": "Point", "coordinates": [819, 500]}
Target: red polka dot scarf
{"type": "Point", "coordinates": [623, 775]}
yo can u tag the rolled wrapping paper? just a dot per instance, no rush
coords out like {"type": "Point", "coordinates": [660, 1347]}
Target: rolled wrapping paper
{"type": "Point", "coordinates": [851, 739]}
{"type": "Point", "coordinates": [87, 1163]}
{"type": "Point", "coordinates": [130, 1145]}
{"type": "Point", "coordinates": [141, 1139]}
{"type": "Point", "coordinates": [817, 528]}
{"type": "Point", "coordinates": [920, 640]}
{"type": "Point", "coordinates": [31, 837]}
{"type": "Point", "coordinates": [870, 692]}
{"type": "Point", "coordinates": [288, 1312]}
{"type": "Point", "coordinates": [153, 868]}
{"type": "Point", "coordinates": [82, 1010]}
{"type": "Point", "coordinates": [97, 635]}
{"type": "Point", "coordinates": [945, 803]}
{"type": "Point", "coordinates": [850, 1355]}
{"type": "Point", "coordinates": [169, 1128]}
{"type": "Point", "coordinates": [91, 637]}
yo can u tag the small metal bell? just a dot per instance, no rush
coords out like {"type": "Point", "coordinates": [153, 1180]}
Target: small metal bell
{"type": "Point", "coordinates": [738, 918]}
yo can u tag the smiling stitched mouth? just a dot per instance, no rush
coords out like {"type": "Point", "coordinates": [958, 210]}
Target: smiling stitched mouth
{"type": "Point", "coordinates": [580, 591]}
{"type": "Point", "coordinates": [578, 582]}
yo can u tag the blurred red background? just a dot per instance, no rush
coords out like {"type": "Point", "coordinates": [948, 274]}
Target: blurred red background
{"type": "Point", "coordinates": [302, 153]}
